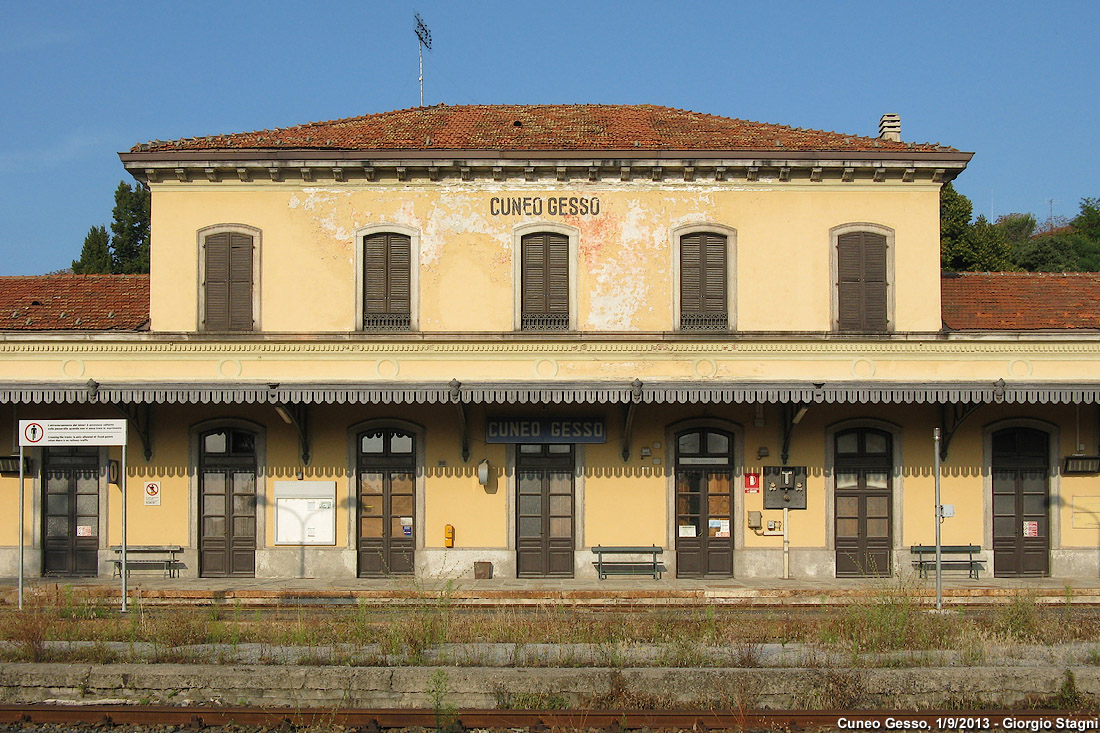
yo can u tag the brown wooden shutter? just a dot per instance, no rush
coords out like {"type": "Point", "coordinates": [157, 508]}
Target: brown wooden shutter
{"type": "Point", "coordinates": [216, 282]}
{"type": "Point", "coordinates": [544, 290]}
{"type": "Point", "coordinates": [387, 281]}
{"type": "Point", "coordinates": [228, 282]}
{"type": "Point", "coordinates": [861, 284]}
{"type": "Point", "coordinates": [240, 282]}
{"type": "Point", "coordinates": [703, 286]}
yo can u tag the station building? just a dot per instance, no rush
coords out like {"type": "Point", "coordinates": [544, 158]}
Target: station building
{"type": "Point", "coordinates": [429, 340]}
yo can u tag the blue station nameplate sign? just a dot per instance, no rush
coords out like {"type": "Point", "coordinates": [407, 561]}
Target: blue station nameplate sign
{"type": "Point", "coordinates": [545, 430]}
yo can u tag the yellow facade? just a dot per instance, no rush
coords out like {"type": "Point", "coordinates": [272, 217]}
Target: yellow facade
{"type": "Point", "coordinates": [782, 386]}
{"type": "Point", "coordinates": [624, 265]}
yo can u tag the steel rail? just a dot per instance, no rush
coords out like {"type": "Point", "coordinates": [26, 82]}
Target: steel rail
{"type": "Point", "coordinates": [380, 719]}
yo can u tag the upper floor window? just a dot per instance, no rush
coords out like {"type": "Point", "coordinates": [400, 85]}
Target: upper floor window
{"type": "Point", "coordinates": [229, 261]}
{"type": "Point", "coordinates": [704, 304]}
{"type": "Point", "coordinates": [861, 281]}
{"type": "Point", "coordinates": [387, 282]}
{"type": "Point", "coordinates": [544, 275]}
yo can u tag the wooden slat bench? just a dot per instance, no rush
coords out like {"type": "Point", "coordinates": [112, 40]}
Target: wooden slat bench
{"type": "Point", "coordinates": [605, 567]}
{"type": "Point", "coordinates": [167, 561]}
{"type": "Point", "coordinates": [950, 555]}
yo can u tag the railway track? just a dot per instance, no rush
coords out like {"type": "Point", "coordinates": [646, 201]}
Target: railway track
{"type": "Point", "coordinates": [542, 720]}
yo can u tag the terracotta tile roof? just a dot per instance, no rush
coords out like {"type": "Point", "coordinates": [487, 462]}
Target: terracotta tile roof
{"type": "Point", "coordinates": [74, 303]}
{"type": "Point", "coordinates": [1020, 301]}
{"type": "Point", "coordinates": [542, 127]}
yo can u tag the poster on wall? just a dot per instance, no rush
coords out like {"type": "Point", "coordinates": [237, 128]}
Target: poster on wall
{"type": "Point", "coordinates": [152, 493]}
{"type": "Point", "coordinates": [752, 483]}
{"type": "Point", "coordinates": [1031, 528]}
{"type": "Point", "coordinates": [305, 512]}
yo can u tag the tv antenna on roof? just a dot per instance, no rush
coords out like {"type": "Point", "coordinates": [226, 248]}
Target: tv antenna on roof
{"type": "Point", "coordinates": [424, 36]}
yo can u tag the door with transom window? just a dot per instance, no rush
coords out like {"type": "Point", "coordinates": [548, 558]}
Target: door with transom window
{"type": "Point", "coordinates": [70, 516]}
{"type": "Point", "coordinates": [863, 467]}
{"type": "Point", "coordinates": [227, 503]}
{"type": "Point", "coordinates": [387, 502]}
{"type": "Point", "coordinates": [544, 510]}
{"type": "Point", "coordinates": [704, 503]}
{"type": "Point", "coordinates": [1021, 502]}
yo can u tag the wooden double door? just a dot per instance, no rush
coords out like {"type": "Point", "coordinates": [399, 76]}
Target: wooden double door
{"type": "Point", "coordinates": [387, 502]}
{"type": "Point", "coordinates": [544, 510]}
{"type": "Point", "coordinates": [227, 503]}
{"type": "Point", "coordinates": [1021, 502]}
{"type": "Point", "coordinates": [704, 503]}
{"type": "Point", "coordinates": [863, 496]}
{"type": "Point", "coordinates": [70, 516]}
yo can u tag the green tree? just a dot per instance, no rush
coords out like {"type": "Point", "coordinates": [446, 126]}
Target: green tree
{"type": "Point", "coordinates": [130, 229]}
{"type": "Point", "coordinates": [95, 257]}
{"type": "Point", "coordinates": [1050, 253]}
{"type": "Point", "coordinates": [982, 248]}
{"type": "Point", "coordinates": [1018, 230]}
{"type": "Point", "coordinates": [955, 211]}
{"type": "Point", "coordinates": [1087, 222]}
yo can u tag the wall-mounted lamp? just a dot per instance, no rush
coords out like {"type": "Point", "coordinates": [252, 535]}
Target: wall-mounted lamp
{"type": "Point", "coordinates": [284, 414]}
{"type": "Point", "coordinates": [762, 452]}
{"type": "Point", "coordinates": [799, 415]}
{"type": "Point", "coordinates": [483, 472]}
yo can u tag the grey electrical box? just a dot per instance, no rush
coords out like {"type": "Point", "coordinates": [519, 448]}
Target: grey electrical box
{"type": "Point", "coordinates": [756, 520]}
{"type": "Point", "coordinates": [784, 486]}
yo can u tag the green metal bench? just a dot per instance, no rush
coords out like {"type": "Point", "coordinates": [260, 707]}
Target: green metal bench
{"type": "Point", "coordinates": [605, 567]}
{"type": "Point", "coordinates": [167, 562]}
{"type": "Point", "coordinates": [950, 556]}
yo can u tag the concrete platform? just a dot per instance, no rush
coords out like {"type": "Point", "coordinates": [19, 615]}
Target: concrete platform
{"type": "Point", "coordinates": [643, 591]}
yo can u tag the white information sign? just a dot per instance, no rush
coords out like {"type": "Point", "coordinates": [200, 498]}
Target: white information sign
{"type": "Point", "coordinates": [305, 512]}
{"type": "Point", "coordinates": [152, 493]}
{"type": "Point", "coordinates": [71, 432]}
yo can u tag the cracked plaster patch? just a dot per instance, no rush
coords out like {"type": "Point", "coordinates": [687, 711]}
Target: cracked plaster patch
{"type": "Point", "coordinates": [618, 273]}
{"type": "Point", "coordinates": [460, 217]}
{"type": "Point", "coordinates": [327, 207]}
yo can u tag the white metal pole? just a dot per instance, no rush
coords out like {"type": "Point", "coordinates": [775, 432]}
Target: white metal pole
{"type": "Point", "coordinates": [939, 550]}
{"type": "Point", "coordinates": [420, 54]}
{"type": "Point", "coordinates": [21, 502]}
{"type": "Point", "coordinates": [122, 478]}
{"type": "Point", "coordinates": [786, 545]}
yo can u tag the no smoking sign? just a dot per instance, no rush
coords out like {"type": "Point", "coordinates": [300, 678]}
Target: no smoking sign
{"type": "Point", "coordinates": [152, 493]}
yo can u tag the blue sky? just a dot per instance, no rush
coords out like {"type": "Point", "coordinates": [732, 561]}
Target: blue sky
{"type": "Point", "coordinates": [1016, 83]}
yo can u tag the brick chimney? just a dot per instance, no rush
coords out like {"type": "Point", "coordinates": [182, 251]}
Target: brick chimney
{"type": "Point", "coordinates": [889, 127]}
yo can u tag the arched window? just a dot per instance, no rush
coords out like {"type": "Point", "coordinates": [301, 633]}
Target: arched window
{"type": "Point", "coordinates": [387, 282]}
{"type": "Point", "coordinates": [230, 266]}
{"type": "Point", "coordinates": [862, 280]}
{"type": "Point", "coordinates": [1021, 501]}
{"type": "Point", "coordinates": [863, 466]}
{"type": "Point", "coordinates": [227, 502]}
{"type": "Point", "coordinates": [704, 502]}
{"type": "Point", "coordinates": [386, 467]}
{"type": "Point", "coordinates": [704, 286]}
{"type": "Point", "coordinates": [544, 275]}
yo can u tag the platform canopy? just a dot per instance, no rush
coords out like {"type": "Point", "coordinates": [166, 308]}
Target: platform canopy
{"type": "Point", "coordinates": [638, 392]}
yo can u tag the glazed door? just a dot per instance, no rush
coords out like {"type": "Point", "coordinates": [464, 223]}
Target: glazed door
{"type": "Point", "coordinates": [386, 540]}
{"type": "Point", "coordinates": [704, 545]}
{"type": "Point", "coordinates": [863, 503]}
{"type": "Point", "coordinates": [544, 511]}
{"type": "Point", "coordinates": [227, 504]}
{"type": "Point", "coordinates": [70, 531]}
{"type": "Point", "coordinates": [863, 518]}
{"type": "Point", "coordinates": [228, 543]}
{"type": "Point", "coordinates": [1021, 503]}
{"type": "Point", "coordinates": [387, 503]}
{"type": "Point", "coordinates": [704, 504]}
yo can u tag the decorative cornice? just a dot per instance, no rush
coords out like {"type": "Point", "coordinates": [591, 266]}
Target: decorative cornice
{"type": "Point", "coordinates": [788, 167]}
{"type": "Point", "coordinates": [651, 349]}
